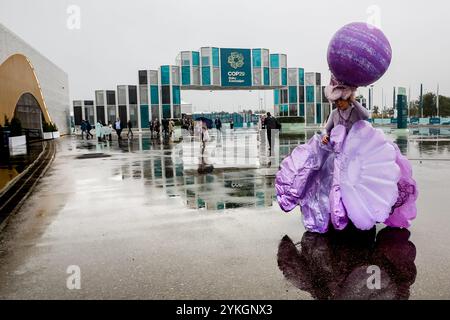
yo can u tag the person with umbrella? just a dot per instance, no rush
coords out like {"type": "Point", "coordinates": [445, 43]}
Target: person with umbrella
{"type": "Point", "coordinates": [207, 122]}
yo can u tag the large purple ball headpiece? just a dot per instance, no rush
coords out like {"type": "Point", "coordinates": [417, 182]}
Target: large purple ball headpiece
{"type": "Point", "coordinates": [359, 54]}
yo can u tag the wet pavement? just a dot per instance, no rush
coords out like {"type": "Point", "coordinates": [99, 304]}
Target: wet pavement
{"type": "Point", "coordinates": [144, 220]}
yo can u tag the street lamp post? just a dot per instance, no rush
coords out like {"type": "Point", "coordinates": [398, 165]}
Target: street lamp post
{"type": "Point", "coordinates": [437, 102]}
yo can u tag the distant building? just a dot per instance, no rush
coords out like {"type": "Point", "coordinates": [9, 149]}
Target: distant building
{"type": "Point", "coordinates": [84, 110]}
{"type": "Point", "coordinates": [106, 106]}
{"type": "Point", "coordinates": [362, 100]}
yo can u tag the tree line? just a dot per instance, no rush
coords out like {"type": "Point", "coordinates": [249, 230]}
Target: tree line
{"type": "Point", "coordinates": [429, 107]}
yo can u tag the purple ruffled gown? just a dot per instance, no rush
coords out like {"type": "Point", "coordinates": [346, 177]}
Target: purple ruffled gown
{"type": "Point", "coordinates": [359, 176]}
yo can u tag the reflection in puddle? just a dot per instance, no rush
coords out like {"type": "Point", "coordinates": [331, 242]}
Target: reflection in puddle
{"type": "Point", "coordinates": [223, 178]}
{"type": "Point", "coordinates": [11, 166]}
{"type": "Point", "coordinates": [209, 189]}
{"type": "Point", "coordinates": [338, 265]}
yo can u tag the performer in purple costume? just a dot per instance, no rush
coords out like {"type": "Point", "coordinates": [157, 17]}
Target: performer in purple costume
{"type": "Point", "coordinates": [351, 172]}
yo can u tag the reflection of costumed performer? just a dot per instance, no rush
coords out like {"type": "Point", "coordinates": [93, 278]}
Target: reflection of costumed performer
{"type": "Point", "coordinates": [336, 265]}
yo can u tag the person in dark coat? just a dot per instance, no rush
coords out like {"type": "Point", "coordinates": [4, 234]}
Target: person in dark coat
{"type": "Point", "coordinates": [130, 126]}
{"type": "Point", "coordinates": [157, 127]}
{"type": "Point", "coordinates": [218, 124]}
{"type": "Point", "coordinates": [271, 124]}
{"type": "Point", "coordinates": [165, 124]}
{"type": "Point", "coordinates": [88, 130]}
{"type": "Point", "coordinates": [83, 129]}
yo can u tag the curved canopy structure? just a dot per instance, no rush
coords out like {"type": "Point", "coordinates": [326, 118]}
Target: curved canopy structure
{"type": "Point", "coordinates": [17, 77]}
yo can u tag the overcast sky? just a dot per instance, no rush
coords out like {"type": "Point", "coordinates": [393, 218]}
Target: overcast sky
{"type": "Point", "coordinates": [117, 38]}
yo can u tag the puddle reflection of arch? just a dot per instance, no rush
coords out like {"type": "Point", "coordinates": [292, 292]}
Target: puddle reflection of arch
{"type": "Point", "coordinates": [335, 265]}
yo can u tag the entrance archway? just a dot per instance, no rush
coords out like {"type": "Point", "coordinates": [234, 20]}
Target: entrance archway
{"type": "Point", "coordinates": [28, 111]}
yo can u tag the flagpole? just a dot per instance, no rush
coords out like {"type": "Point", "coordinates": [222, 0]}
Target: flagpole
{"type": "Point", "coordinates": [437, 102]}
{"type": "Point", "coordinates": [409, 100]}
{"type": "Point", "coordinates": [421, 101]}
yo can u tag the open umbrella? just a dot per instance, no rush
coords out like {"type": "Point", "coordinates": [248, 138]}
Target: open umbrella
{"type": "Point", "coordinates": [208, 122]}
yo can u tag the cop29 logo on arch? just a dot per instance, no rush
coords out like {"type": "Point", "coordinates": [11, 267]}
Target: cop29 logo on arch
{"type": "Point", "coordinates": [236, 60]}
{"type": "Point", "coordinates": [236, 67]}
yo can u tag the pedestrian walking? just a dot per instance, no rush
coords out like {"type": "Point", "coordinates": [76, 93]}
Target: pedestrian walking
{"type": "Point", "coordinates": [130, 126]}
{"type": "Point", "coordinates": [109, 131]}
{"type": "Point", "coordinates": [99, 131]}
{"type": "Point", "coordinates": [271, 124]}
{"type": "Point", "coordinates": [157, 128]}
{"type": "Point", "coordinates": [118, 128]}
{"type": "Point", "coordinates": [83, 129]}
{"type": "Point", "coordinates": [204, 138]}
{"type": "Point", "coordinates": [165, 125]}
{"type": "Point", "coordinates": [218, 124]}
{"type": "Point", "coordinates": [88, 130]}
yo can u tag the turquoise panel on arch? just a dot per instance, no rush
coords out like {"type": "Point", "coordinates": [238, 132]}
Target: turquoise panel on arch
{"type": "Point", "coordinates": [186, 76]}
{"type": "Point", "coordinates": [166, 111]}
{"type": "Point", "coordinates": [256, 57]}
{"type": "Point", "coordinates": [266, 76]}
{"type": "Point", "coordinates": [310, 94]}
{"type": "Point", "coordinates": [274, 61]}
{"type": "Point", "coordinates": [318, 113]}
{"type": "Point", "coordinates": [293, 96]}
{"type": "Point", "coordinates": [215, 55]}
{"type": "Point", "coordinates": [205, 61]}
{"type": "Point", "coordinates": [144, 116]}
{"type": "Point", "coordinates": [165, 75]}
{"type": "Point", "coordinates": [206, 76]}
{"type": "Point", "coordinates": [301, 76]}
{"type": "Point", "coordinates": [284, 77]}
{"type": "Point", "coordinates": [276, 97]}
{"type": "Point", "coordinates": [176, 95]}
{"type": "Point", "coordinates": [195, 58]}
{"type": "Point", "coordinates": [154, 95]}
